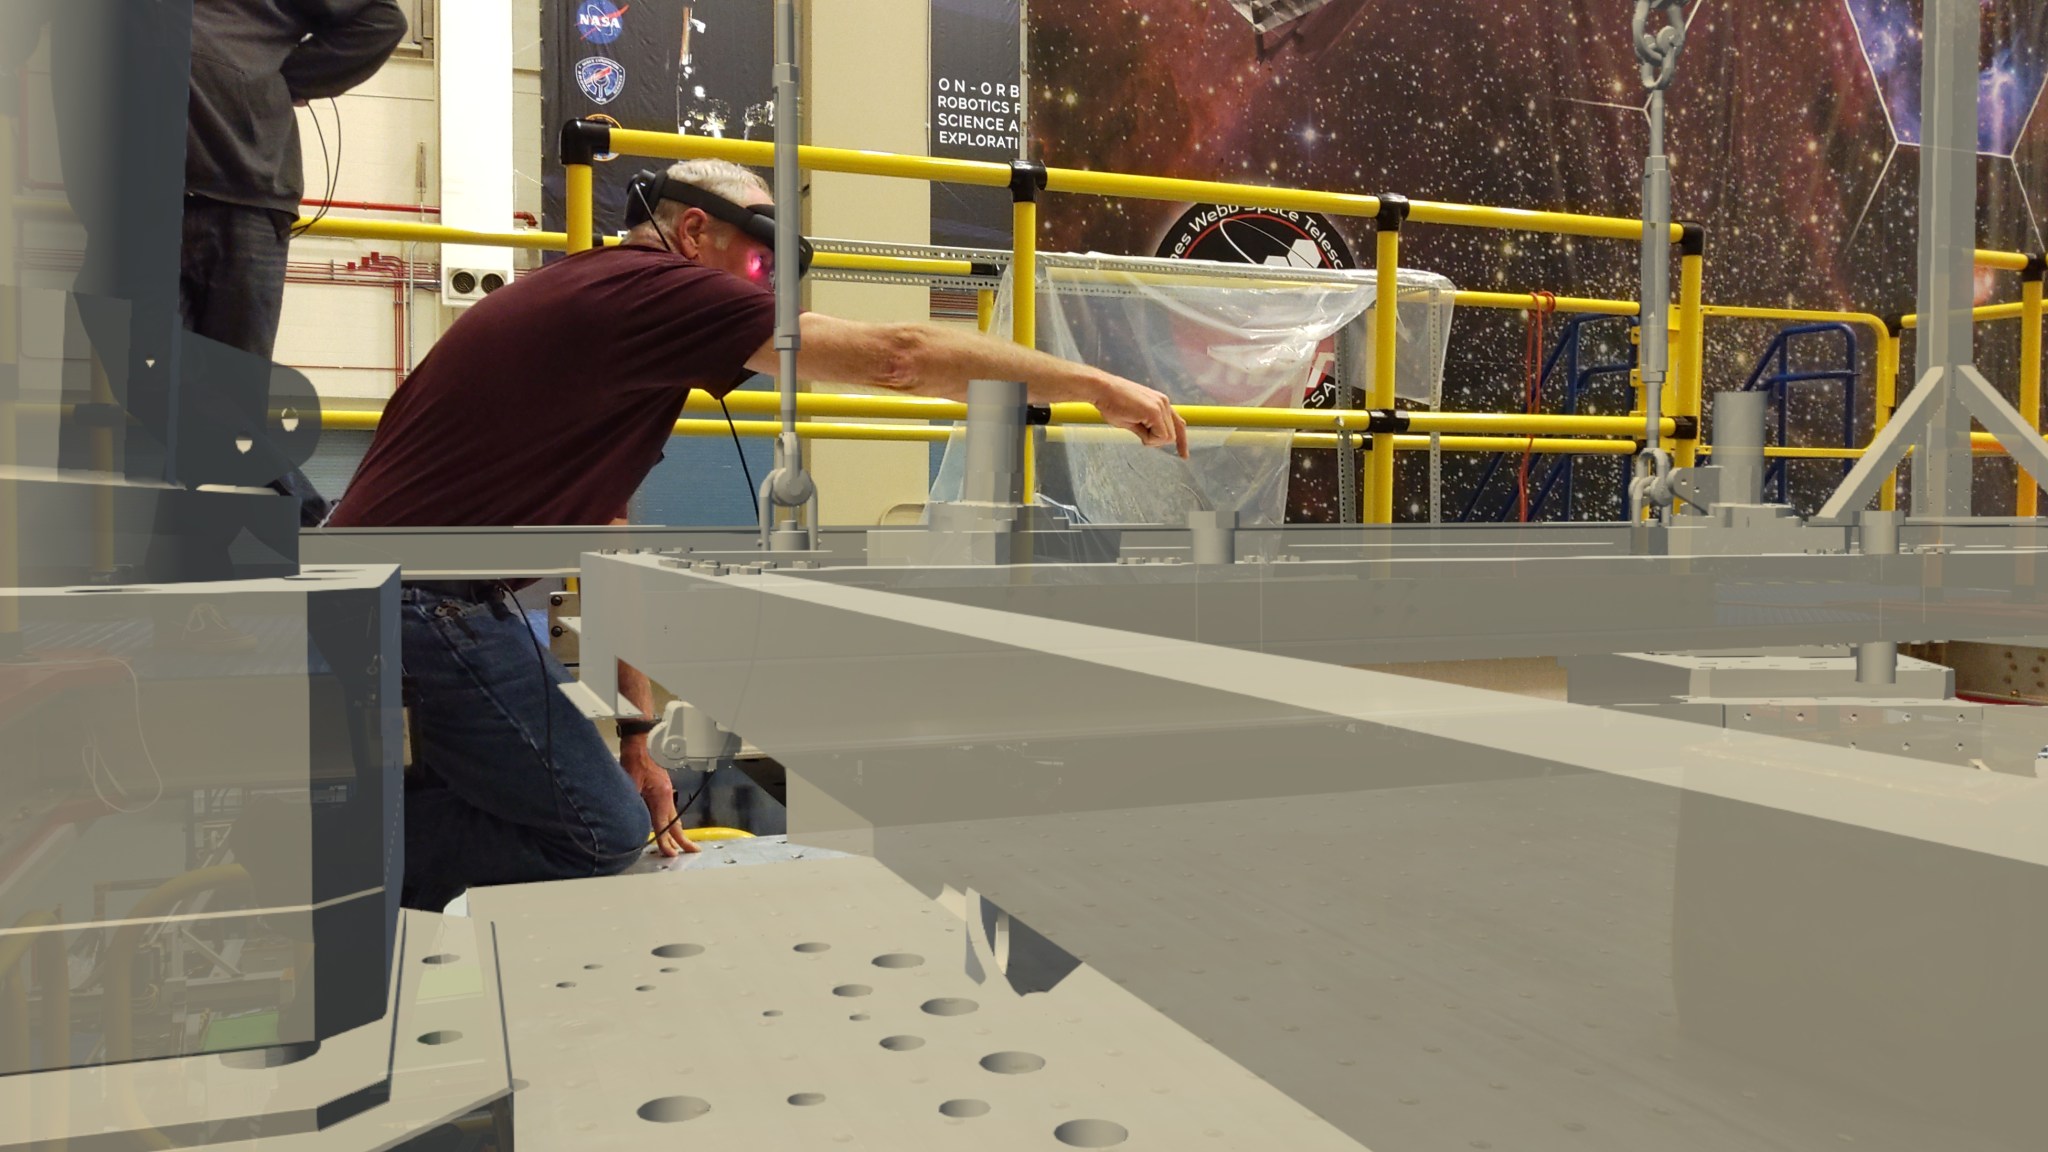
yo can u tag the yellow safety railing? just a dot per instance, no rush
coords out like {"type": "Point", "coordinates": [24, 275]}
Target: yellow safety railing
{"type": "Point", "coordinates": [1026, 181]}
{"type": "Point", "coordinates": [1982, 443]}
{"type": "Point", "coordinates": [1524, 301]}
{"type": "Point", "coordinates": [2008, 261]}
{"type": "Point", "coordinates": [1512, 428]}
{"type": "Point", "coordinates": [1686, 400]}
{"type": "Point", "coordinates": [404, 231]}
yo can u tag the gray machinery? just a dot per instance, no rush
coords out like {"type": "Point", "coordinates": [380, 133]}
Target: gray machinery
{"type": "Point", "coordinates": [1757, 892]}
{"type": "Point", "coordinates": [1163, 837]}
{"type": "Point", "coordinates": [198, 733]}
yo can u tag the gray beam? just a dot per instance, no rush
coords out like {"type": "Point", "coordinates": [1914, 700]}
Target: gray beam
{"type": "Point", "coordinates": [1884, 454]}
{"type": "Point", "coordinates": [1389, 611]}
{"type": "Point", "coordinates": [2002, 420]}
{"type": "Point", "coordinates": [1436, 916]}
{"type": "Point", "coordinates": [478, 553]}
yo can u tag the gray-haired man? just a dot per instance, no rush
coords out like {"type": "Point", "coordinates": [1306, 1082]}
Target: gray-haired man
{"type": "Point", "coordinates": [548, 403]}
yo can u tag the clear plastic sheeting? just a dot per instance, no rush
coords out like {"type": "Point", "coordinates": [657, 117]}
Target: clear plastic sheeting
{"type": "Point", "coordinates": [1213, 334]}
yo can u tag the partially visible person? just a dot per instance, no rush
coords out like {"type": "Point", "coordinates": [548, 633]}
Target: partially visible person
{"type": "Point", "coordinates": [252, 62]}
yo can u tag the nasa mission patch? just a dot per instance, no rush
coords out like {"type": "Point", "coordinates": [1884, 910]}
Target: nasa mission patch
{"type": "Point", "coordinates": [601, 78]}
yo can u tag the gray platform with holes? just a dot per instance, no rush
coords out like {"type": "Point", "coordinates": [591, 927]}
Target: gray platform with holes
{"type": "Point", "coordinates": [828, 1004]}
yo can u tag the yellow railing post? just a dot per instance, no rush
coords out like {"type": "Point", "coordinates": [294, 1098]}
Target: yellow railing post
{"type": "Point", "coordinates": [1027, 180]}
{"type": "Point", "coordinates": [1024, 189]}
{"type": "Point", "coordinates": [984, 308]}
{"type": "Point", "coordinates": [1692, 247]}
{"type": "Point", "coordinates": [582, 142]}
{"type": "Point", "coordinates": [2029, 496]}
{"type": "Point", "coordinates": [579, 210]}
{"type": "Point", "coordinates": [1379, 496]}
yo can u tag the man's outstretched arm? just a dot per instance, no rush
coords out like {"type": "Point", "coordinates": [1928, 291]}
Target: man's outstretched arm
{"type": "Point", "coordinates": [929, 360]}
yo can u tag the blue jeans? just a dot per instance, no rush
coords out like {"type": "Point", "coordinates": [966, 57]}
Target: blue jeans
{"type": "Point", "coordinates": [495, 797]}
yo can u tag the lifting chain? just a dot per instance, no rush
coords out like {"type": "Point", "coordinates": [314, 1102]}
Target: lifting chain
{"type": "Point", "coordinates": [1659, 53]}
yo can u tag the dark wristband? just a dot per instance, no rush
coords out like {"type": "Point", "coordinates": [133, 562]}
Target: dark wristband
{"type": "Point", "coordinates": [634, 728]}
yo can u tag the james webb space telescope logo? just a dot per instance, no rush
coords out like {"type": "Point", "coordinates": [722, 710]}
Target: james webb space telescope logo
{"type": "Point", "coordinates": [1275, 238]}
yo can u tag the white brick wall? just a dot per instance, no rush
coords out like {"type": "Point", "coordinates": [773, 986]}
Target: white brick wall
{"type": "Point", "coordinates": [389, 133]}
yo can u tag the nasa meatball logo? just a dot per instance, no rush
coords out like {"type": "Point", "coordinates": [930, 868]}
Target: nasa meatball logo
{"type": "Point", "coordinates": [600, 21]}
{"type": "Point", "coordinates": [1272, 237]}
{"type": "Point", "coordinates": [601, 79]}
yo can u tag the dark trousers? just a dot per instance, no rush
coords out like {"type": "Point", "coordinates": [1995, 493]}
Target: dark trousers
{"type": "Point", "coordinates": [510, 783]}
{"type": "Point", "coordinates": [231, 291]}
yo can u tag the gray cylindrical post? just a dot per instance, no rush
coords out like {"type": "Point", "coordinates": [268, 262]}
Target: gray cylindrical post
{"type": "Point", "coordinates": [1739, 445]}
{"type": "Point", "coordinates": [1878, 533]}
{"type": "Point", "coordinates": [995, 442]}
{"type": "Point", "coordinates": [1877, 662]}
{"type": "Point", "coordinates": [788, 217]}
{"type": "Point", "coordinates": [1215, 537]}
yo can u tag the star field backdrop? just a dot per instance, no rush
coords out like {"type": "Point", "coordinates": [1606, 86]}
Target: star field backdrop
{"type": "Point", "coordinates": [1793, 130]}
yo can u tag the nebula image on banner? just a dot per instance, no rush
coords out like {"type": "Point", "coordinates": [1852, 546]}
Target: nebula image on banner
{"type": "Point", "coordinates": [1793, 131]}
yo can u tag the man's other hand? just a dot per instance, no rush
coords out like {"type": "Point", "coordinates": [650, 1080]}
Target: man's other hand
{"type": "Point", "coordinates": [1136, 408]}
{"type": "Point", "coordinates": [659, 794]}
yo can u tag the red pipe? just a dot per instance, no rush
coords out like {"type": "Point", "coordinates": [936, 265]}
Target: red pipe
{"type": "Point", "coordinates": [423, 209]}
{"type": "Point", "coordinates": [401, 283]}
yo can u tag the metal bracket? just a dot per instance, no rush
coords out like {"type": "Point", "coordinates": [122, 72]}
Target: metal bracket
{"type": "Point", "coordinates": [1347, 475]}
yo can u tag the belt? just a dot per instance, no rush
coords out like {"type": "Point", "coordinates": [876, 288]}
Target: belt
{"type": "Point", "coordinates": [472, 591]}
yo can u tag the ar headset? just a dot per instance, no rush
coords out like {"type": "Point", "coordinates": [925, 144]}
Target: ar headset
{"type": "Point", "coordinates": [648, 187]}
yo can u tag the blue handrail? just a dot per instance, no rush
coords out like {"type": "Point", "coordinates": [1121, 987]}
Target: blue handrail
{"type": "Point", "coordinates": [1778, 383]}
{"type": "Point", "coordinates": [1773, 372]}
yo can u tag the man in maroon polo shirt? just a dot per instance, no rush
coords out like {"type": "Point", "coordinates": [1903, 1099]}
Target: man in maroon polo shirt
{"type": "Point", "coordinates": [548, 403]}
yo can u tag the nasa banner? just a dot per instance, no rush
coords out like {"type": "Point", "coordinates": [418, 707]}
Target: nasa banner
{"type": "Point", "coordinates": [705, 68]}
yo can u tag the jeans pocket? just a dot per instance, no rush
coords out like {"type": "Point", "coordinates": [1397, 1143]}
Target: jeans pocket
{"type": "Point", "coordinates": [456, 621]}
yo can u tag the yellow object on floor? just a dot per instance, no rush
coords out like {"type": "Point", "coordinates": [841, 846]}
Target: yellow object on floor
{"type": "Point", "coordinates": [710, 835]}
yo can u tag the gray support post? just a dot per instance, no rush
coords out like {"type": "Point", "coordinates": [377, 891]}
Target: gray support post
{"type": "Point", "coordinates": [1948, 227]}
{"type": "Point", "coordinates": [1436, 480]}
{"type": "Point", "coordinates": [1879, 535]}
{"type": "Point", "coordinates": [995, 442]}
{"type": "Point", "coordinates": [1347, 477]}
{"type": "Point", "coordinates": [789, 485]}
{"type": "Point", "coordinates": [1215, 537]}
{"type": "Point", "coordinates": [1877, 662]}
{"type": "Point", "coordinates": [1739, 445]}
